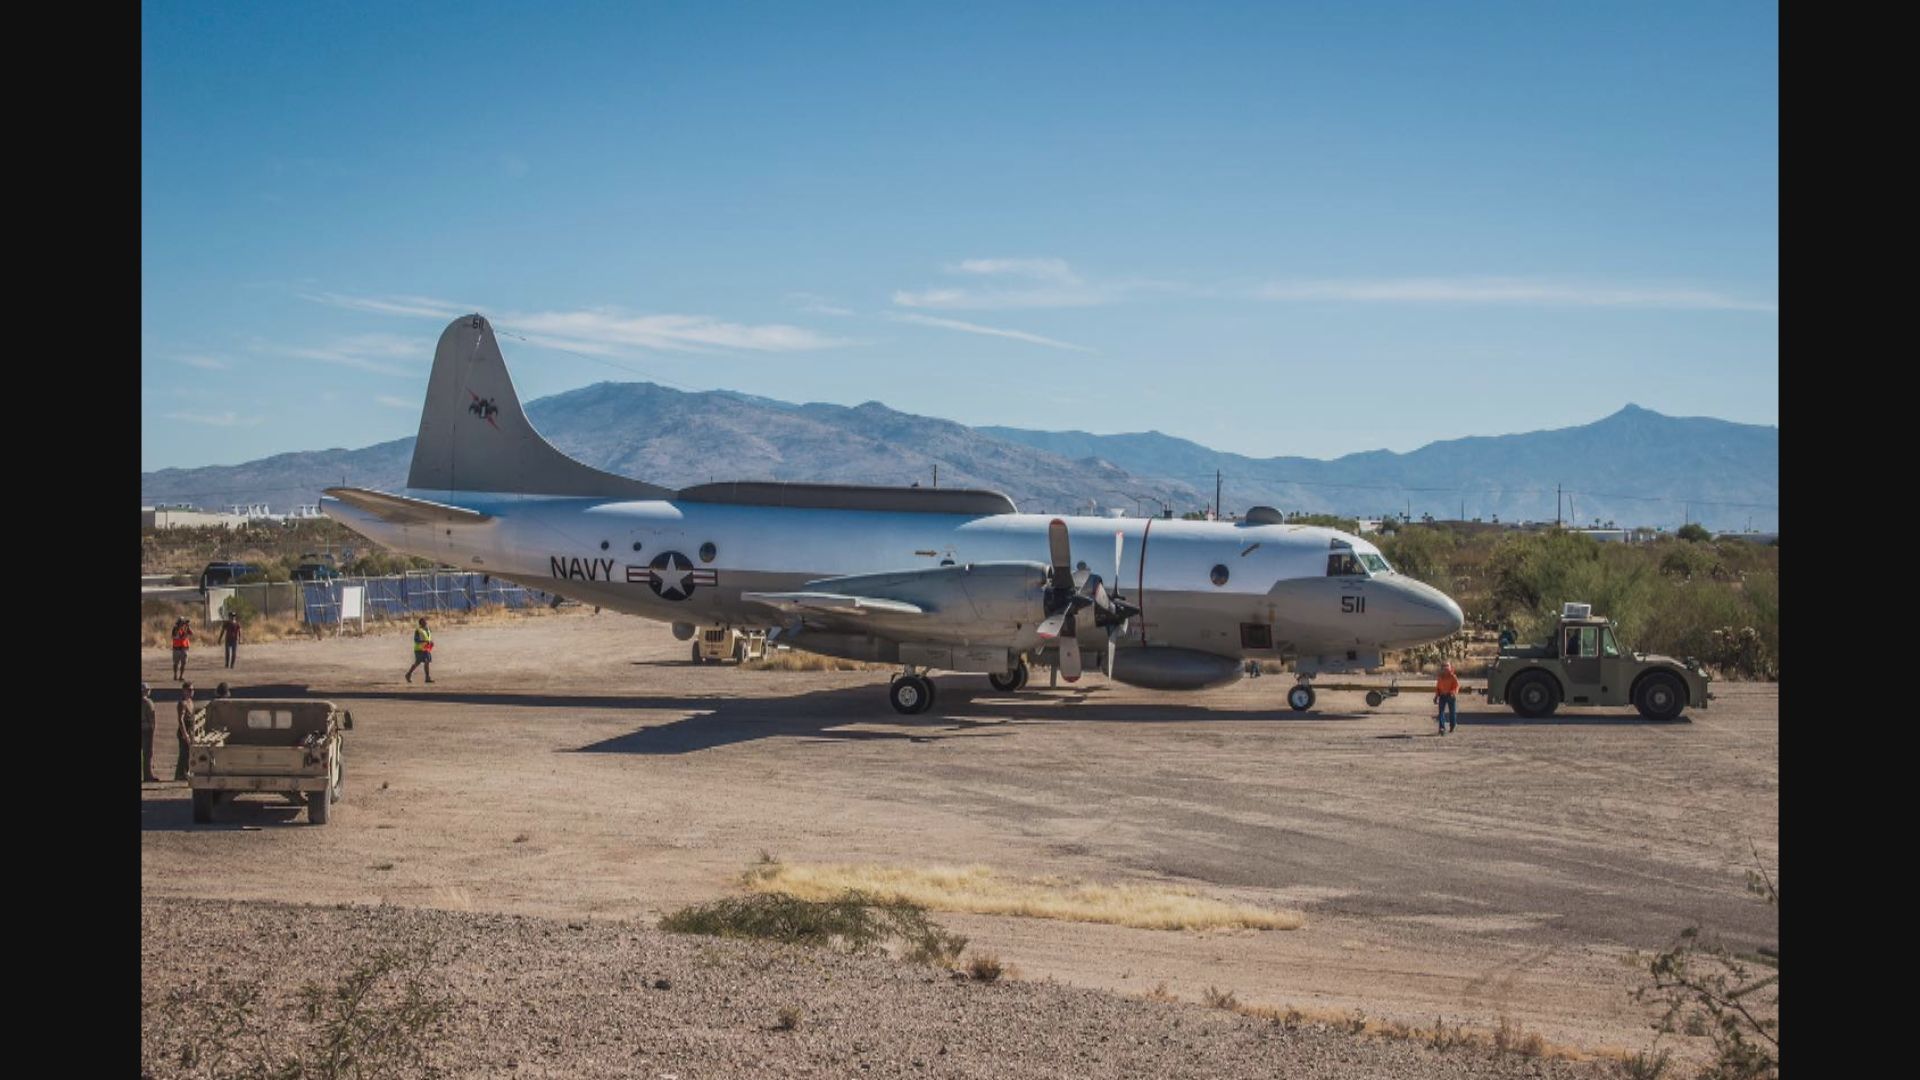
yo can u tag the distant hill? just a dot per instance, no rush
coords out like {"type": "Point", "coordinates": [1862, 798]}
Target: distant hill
{"type": "Point", "coordinates": [1618, 467]}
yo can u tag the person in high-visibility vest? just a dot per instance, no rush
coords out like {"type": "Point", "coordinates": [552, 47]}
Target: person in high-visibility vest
{"type": "Point", "coordinates": [1444, 693]}
{"type": "Point", "coordinates": [182, 641]}
{"type": "Point", "coordinates": [422, 650]}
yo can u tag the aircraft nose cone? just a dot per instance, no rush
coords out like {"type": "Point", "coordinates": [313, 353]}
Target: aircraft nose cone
{"type": "Point", "coordinates": [1429, 611]}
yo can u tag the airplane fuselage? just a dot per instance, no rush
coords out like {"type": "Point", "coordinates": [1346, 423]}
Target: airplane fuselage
{"type": "Point", "coordinates": [1230, 589]}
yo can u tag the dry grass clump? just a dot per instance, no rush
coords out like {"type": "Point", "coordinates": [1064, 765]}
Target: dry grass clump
{"type": "Point", "coordinates": [851, 921]}
{"type": "Point", "coordinates": [795, 660]}
{"type": "Point", "coordinates": [1507, 1039]}
{"type": "Point", "coordinates": [985, 967]}
{"type": "Point", "coordinates": [979, 890]}
{"type": "Point", "coordinates": [1216, 998]}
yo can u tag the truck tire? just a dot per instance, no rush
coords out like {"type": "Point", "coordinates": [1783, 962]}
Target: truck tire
{"type": "Point", "coordinates": [697, 658]}
{"type": "Point", "coordinates": [1659, 696]}
{"type": "Point", "coordinates": [318, 804]}
{"type": "Point", "coordinates": [203, 808]}
{"type": "Point", "coordinates": [740, 651]}
{"type": "Point", "coordinates": [1533, 695]}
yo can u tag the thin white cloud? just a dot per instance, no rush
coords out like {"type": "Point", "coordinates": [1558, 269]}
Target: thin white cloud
{"type": "Point", "coordinates": [424, 306]}
{"type": "Point", "coordinates": [1501, 291]}
{"type": "Point", "coordinates": [1021, 283]}
{"type": "Point", "coordinates": [603, 331]}
{"type": "Point", "coordinates": [1037, 269]}
{"type": "Point", "coordinates": [816, 304]}
{"type": "Point", "coordinates": [206, 363]}
{"type": "Point", "coordinates": [392, 402]}
{"type": "Point", "coordinates": [991, 331]}
{"type": "Point", "coordinates": [366, 352]}
{"type": "Point", "coordinates": [223, 420]}
{"type": "Point", "coordinates": [611, 328]}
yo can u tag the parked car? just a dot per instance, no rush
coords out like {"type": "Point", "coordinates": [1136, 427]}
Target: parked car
{"type": "Point", "coordinates": [314, 571]}
{"type": "Point", "coordinates": [225, 573]}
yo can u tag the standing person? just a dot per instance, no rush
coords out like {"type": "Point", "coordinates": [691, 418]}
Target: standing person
{"type": "Point", "coordinates": [1444, 693]}
{"type": "Point", "coordinates": [183, 729]}
{"type": "Point", "coordinates": [182, 641]}
{"type": "Point", "coordinates": [422, 650]}
{"type": "Point", "coordinates": [146, 735]}
{"type": "Point", "coordinates": [230, 634]}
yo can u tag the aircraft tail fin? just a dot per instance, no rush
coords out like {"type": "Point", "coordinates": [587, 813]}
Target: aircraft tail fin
{"type": "Point", "coordinates": [475, 437]}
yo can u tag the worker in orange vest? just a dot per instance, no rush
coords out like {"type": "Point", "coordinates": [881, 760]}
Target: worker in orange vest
{"type": "Point", "coordinates": [1444, 693]}
{"type": "Point", "coordinates": [182, 641]}
{"type": "Point", "coordinates": [422, 650]}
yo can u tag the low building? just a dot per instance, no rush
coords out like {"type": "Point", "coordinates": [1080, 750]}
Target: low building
{"type": "Point", "coordinates": [185, 517]}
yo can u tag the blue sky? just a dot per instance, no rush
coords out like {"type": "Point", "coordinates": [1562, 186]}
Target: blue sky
{"type": "Point", "coordinates": [1309, 228]}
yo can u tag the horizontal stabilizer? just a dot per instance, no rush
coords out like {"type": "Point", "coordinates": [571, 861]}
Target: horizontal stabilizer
{"type": "Point", "coordinates": [403, 510]}
{"type": "Point", "coordinates": [832, 603]}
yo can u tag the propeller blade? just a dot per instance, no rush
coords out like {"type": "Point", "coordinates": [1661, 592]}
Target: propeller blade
{"type": "Point", "coordinates": [1113, 646]}
{"type": "Point", "coordinates": [1062, 554]}
{"type": "Point", "coordinates": [1119, 542]}
{"type": "Point", "coordinates": [1050, 629]}
{"type": "Point", "coordinates": [1101, 599]}
{"type": "Point", "coordinates": [1069, 656]}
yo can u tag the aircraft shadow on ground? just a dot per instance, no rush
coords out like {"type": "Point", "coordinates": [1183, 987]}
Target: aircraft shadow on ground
{"type": "Point", "coordinates": [861, 713]}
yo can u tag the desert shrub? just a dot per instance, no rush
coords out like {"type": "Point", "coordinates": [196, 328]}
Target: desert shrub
{"type": "Point", "coordinates": [984, 967]}
{"type": "Point", "coordinates": [787, 1019]}
{"type": "Point", "coordinates": [1731, 997]}
{"type": "Point", "coordinates": [238, 604]}
{"type": "Point", "coordinates": [854, 921]}
{"type": "Point", "coordinates": [1421, 552]}
{"type": "Point", "coordinates": [1216, 998]}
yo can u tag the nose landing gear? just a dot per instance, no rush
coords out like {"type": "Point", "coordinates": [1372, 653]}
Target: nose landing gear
{"type": "Point", "coordinates": [1300, 698]}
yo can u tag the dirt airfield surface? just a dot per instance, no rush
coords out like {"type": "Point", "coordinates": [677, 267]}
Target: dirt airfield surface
{"type": "Point", "coordinates": [579, 768]}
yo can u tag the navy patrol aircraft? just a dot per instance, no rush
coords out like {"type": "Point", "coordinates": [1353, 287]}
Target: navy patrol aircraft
{"type": "Point", "coordinates": [931, 579]}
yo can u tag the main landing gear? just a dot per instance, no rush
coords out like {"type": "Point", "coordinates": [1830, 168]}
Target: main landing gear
{"type": "Point", "coordinates": [1012, 681]}
{"type": "Point", "coordinates": [910, 693]}
{"type": "Point", "coordinates": [1300, 698]}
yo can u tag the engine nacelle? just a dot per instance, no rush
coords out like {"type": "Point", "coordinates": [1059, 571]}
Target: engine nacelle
{"type": "Point", "coordinates": [1154, 668]}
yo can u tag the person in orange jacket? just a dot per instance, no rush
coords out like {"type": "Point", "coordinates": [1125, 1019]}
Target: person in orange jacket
{"type": "Point", "coordinates": [182, 641]}
{"type": "Point", "coordinates": [1444, 693]}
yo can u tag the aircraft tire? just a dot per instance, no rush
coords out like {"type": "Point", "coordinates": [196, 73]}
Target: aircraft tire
{"type": "Point", "coordinates": [1011, 681]}
{"type": "Point", "coordinates": [1021, 673]}
{"type": "Point", "coordinates": [1534, 695]}
{"type": "Point", "coordinates": [203, 808]}
{"type": "Point", "coordinates": [1374, 698]}
{"type": "Point", "coordinates": [910, 694]}
{"type": "Point", "coordinates": [1660, 697]}
{"type": "Point", "coordinates": [1300, 698]}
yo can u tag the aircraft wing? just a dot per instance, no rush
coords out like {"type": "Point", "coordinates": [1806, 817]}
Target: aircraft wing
{"type": "Point", "coordinates": [832, 604]}
{"type": "Point", "coordinates": [404, 509]}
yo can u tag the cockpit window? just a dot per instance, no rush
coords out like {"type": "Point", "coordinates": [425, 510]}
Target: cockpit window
{"type": "Point", "coordinates": [1345, 564]}
{"type": "Point", "coordinates": [1374, 562]}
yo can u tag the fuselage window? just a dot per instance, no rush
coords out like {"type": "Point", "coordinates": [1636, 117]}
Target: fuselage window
{"type": "Point", "coordinates": [1219, 575]}
{"type": "Point", "coordinates": [708, 551]}
{"type": "Point", "coordinates": [1344, 564]}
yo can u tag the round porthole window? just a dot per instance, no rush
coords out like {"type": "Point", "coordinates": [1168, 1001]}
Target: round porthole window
{"type": "Point", "coordinates": [636, 545]}
{"type": "Point", "coordinates": [604, 545]}
{"type": "Point", "coordinates": [1220, 575]}
{"type": "Point", "coordinates": [708, 551]}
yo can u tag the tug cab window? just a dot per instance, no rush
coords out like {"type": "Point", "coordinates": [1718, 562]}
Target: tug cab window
{"type": "Point", "coordinates": [1607, 646]}
{"type": "Point", "coordinates": [1583, 642]}
{"type": "Point", "coordinates": [1345, 564]}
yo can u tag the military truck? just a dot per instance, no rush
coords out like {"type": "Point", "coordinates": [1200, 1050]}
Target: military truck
{"type": "Point", "coordinates": [289, 748]}
{"type": "Point", "coordinates": [1582, 663]}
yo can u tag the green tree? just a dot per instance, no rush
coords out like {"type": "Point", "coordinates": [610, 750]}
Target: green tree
{"type": "Point", "coordinates": [1694, 532]}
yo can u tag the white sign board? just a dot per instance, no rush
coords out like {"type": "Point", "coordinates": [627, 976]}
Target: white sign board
{"type": "Point", "coordinates": [353, 601]}
{"type": "Point", "coordinates": [216, 598]}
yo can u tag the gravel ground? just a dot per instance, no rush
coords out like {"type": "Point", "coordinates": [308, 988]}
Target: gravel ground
{"type": "Point", "coordinates": [594, 997]}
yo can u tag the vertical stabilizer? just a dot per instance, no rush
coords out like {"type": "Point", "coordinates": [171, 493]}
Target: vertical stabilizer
{"type": "Point", "coordinates": [475, 437]}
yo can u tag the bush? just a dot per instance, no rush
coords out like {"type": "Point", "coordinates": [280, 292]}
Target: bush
{"type": "Point", "coordinates": [1693, 532]}
{"type": "Point", "coordinates": [984, 967]}
{"type": "Point", "coordinates": [854, 922]}
{"type": "Point", "coordinates": [1421, 552]}
{"type": "Point", "coordinates": [1220, 999]}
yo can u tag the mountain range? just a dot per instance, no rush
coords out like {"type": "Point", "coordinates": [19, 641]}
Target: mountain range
{"type": "Point", "coordinates": [1634, 467]}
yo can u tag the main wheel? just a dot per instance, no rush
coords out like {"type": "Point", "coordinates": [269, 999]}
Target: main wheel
{"type": "Point", "coordinates": [1374, 698]}
{"type": "Point", "coordinates": [1659, 697]}
{"type": "Point", "coordinates": [1300, 698]}
{"type": "Point", "coordinates": [1534, 695]}
{"type": "Point", "coordinates": [203, 808]}
{"type": "Point", "coordinates": [910, 694]}
{"type": "Point", "coordinates": [318, 804]}
{"type": "Point", "coordinates": [1011, 681]}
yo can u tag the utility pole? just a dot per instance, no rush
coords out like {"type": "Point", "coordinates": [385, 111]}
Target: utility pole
{"type": "Point", "coordinates": [936, 474]}
{"type": "Point", "coordinates": [1556, 505]}
{"type": "Point", "coordinates": [1217, 515]}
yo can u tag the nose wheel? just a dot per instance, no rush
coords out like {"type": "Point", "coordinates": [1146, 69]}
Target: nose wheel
{"type": "Point", "coordinates": [910, 694]}
{"type": "Point", "coordinates": [1300, 698]}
